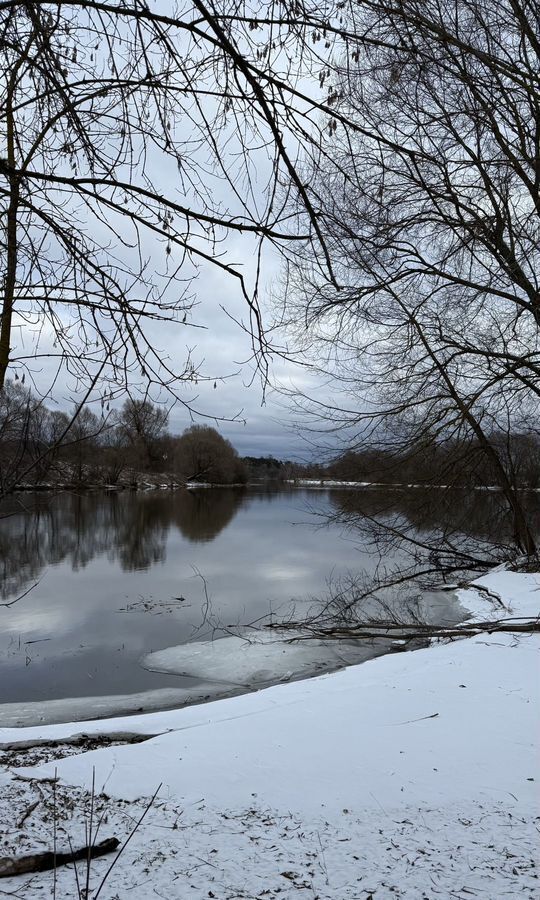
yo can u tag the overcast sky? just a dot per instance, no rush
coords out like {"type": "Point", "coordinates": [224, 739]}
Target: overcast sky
{"type": "Point", "coordinates": [223, 351]}
{"type": "Point", "coordinates": [220, 348]}
{"type": "Point", "coordinates": [265, 421]}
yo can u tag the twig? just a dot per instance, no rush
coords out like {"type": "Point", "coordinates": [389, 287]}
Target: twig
{"type": "Point", "coordinates": [404, 631]}
{"type": "Point", "coordinates": [55, 820]}
{"type": "Point", "coordinates": [20, 597]}
{"type": "Point", "coordinates": [323, 866]}
{"type": "Point", "coordinates": [91, 837]}
{"type": "Point", "coordinates": [28, 812]}
{"type": "Point", "coordinates": [126, 842]}
{"type": "Point", "coordinates": [421, 719]}
{"type": "Point", "coordinates": [490, 594]}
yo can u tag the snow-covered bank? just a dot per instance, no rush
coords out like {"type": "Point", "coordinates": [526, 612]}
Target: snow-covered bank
{"type": "Point", "coordinates": [413, 775]}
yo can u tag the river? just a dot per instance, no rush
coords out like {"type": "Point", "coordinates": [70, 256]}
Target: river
{"type": "Point", "coordinates": [103, 579]}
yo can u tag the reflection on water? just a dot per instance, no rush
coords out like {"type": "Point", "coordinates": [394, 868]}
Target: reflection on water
{"type": "Point", "coordinates": [117, 578]}
{"type": "Point", "coordinates": [456, 531]}
{"type": "Point", "coordinates": [129, 528]}
{"type": "Point", "coordinates": [202, 514]}
{"type": "Point", "coordinates": [117, 573]}
{"type": "Point", "coordinates": [475, 515]}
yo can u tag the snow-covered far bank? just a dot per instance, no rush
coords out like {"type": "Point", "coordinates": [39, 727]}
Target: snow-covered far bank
{"type": "Point", "coordinates": [413, 775]}
{"type": "Point", "coordinates": [392, 485]}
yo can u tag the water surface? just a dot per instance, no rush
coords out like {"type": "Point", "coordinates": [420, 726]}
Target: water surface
{"type": "Point", "coordinates": [120, 575]}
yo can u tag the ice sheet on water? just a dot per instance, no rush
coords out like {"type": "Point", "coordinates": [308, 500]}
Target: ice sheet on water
{"type": "Point", "coordinates": [260, 657]}
{"type": "Point", "coordinates": [77, 709]}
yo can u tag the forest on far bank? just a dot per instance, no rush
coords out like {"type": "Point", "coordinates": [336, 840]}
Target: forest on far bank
{"type": "Point", "coordinates": [126, 445]}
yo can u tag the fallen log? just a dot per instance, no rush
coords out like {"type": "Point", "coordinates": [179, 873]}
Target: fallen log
{"type": "Point", "coordinates": [404, 631]}
{"type": "Point", "coordinates": [80, 739]}
{"type": "Point", "coordinates": [42, 862]}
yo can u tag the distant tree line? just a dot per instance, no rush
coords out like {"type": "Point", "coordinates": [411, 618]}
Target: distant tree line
{"type": "Point", "coordinates": [39, 445]}
{"type": "Point", "coordinates": [453, 463]}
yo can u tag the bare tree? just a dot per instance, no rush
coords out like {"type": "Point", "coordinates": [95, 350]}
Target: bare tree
{"type": "Point", "coordinates": [431, 215]}
{"type": "Point", "coordinates": [81, 440]}
{"type": "Point", "coordinates": [15, 414]}
{"type": "Point", "coordinates": [142, 424]}
{"type": "Point", "coordinates": [132, 144]}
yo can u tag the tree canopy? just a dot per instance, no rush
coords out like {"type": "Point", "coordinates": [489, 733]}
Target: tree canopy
{"type": "Point", "coordinates": [202, 454]}
{"type": "Point", "coordinates": [136, 142]}
{"type": "Point", "coordinates": [428, 330]}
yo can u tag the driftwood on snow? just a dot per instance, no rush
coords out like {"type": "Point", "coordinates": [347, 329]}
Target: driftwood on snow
{"type": "Point", "coordinates": [404, 631]}
{"type": "Point", "coordinates": [41, 862]}
{"type": "Point", "coordinates": [80, 739]}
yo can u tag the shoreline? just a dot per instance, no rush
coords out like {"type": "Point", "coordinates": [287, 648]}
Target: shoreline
{"type": "Point", "coordinates": [287, 484]}
{"type": "Point", "coordinates": [267, 646]}
{"type": "Point", "coordinates": [360, 782]}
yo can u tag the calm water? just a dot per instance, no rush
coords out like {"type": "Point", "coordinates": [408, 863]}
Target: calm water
{"type": "Point", "coordinates": [119, 575]}
{"type": "Point", "coordinates": [117, 578]}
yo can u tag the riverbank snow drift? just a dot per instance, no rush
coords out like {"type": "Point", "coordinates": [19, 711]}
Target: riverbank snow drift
{"type": "Point", "coordinates": [413, 775]}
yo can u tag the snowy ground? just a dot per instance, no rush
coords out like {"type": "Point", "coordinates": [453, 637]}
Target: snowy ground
{"type": "Point", "coordinates": [413, 775]}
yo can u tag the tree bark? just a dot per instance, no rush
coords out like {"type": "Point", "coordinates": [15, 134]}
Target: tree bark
{"type": "Point", "coordinates": [11, 238]}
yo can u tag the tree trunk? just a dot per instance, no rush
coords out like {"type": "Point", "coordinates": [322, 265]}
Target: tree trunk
{"type": "Point", "coordinates": [11, 243]}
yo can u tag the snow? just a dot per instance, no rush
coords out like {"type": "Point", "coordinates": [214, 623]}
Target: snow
{"type": "Point", "coordinates": [518, 593]}
{"type": "Point", "coordinates": [328, 483]}
{"type": "Point", "coordinates": [346, 733]}
{"type": "Point", "coordinates": [413, 775]}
